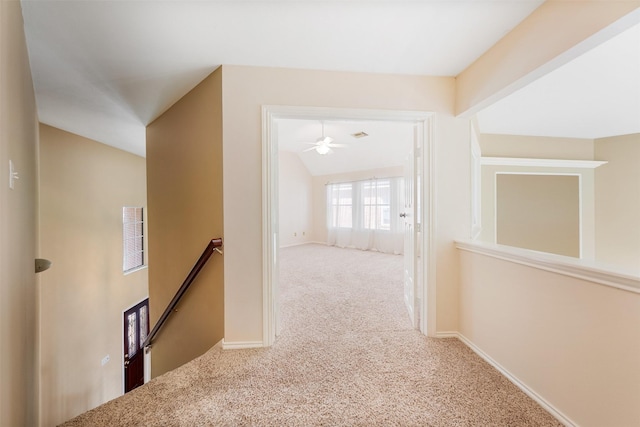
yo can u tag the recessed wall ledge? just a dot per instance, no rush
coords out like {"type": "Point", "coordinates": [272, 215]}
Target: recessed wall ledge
{"type": "Point", "coordinates": [541, 163]}
{"type": "Point", "coordinates": [579, 268]}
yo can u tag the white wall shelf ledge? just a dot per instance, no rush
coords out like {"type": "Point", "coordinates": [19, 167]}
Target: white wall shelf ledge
{"type": "Point", "coordinates": [573, 267]}
{"type": "Point", "coordinates": [545, 163]}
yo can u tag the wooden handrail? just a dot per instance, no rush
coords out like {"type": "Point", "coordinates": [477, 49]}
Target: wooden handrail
{"type": "Point", "coordinates": [213, 246]}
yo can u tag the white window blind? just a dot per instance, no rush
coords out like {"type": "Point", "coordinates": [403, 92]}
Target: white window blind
{"type": "Point", "coordinates": [133, 238]}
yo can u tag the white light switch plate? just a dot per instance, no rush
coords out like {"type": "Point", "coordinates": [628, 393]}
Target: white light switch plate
{"type": "Point", "coordinates": [13, 175]}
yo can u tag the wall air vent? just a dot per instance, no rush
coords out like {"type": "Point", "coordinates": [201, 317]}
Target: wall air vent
{"type": "Point", "coordinates": [360, 134]}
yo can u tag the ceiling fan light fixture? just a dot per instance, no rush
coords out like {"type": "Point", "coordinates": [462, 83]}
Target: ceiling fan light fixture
{"type": "Point", "coordinates": [323, 149]}
{"type": "Point", "coordinates": [324, 140]}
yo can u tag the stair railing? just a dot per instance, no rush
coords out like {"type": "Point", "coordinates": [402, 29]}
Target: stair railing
{"type": "Point", "coordinates": [213, 246]}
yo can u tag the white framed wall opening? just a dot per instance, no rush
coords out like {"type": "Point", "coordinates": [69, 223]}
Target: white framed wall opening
{"type": "Point", "coordinates": [377, 211]}
{"type": "Point", "coordinates": [560, 199]}
{"type": "Point", "coordinates": [539, 211]}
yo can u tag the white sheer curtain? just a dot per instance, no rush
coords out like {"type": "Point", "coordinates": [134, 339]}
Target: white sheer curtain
{"type": "Point", "coordinates": [366, 214]}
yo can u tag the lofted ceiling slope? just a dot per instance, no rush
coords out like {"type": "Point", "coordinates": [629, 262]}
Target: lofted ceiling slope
{"type": "Point", "coordinates": [105, 69]}
{"type": "Point", "coordinates": [594, 96]}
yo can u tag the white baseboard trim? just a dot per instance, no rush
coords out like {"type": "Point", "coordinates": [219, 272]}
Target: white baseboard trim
{"type": "Point", "coordinates": [303, 243]}
{"type": "Point", "coordinates": [236, 345]}
{"type": "Point", "coordinates": [447, 334]}
{"type": "Point", "coordinates": [294, 244]}
{"type": "Point", "coordinates": [522, 386]}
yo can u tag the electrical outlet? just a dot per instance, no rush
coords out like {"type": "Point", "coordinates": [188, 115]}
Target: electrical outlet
{"type": "Point", "coordinates": [105, 360]}
{"type": "Point", "coordinates": [295, 234]}
{"type": "Point", "coordinates": [303, 233]}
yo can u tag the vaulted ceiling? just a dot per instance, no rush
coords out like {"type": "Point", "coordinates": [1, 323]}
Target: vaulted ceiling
{"type": "Point", "coordinates": [105, 69]}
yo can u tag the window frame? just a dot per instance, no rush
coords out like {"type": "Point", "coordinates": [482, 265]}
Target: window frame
{"type": "Point", "coordinates": [130, 265]}
{"type": "Point", "coordinates": [377, 206]}
{"type": "Point", "coordinates": [333, 220]}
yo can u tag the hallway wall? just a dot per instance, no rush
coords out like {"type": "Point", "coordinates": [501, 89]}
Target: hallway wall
{"type": "Point", "coordinates": [184, 179]}
{"type": "Point", "coordinates": [571, 341]}
{"type": "Point", "coordinates": [18, 225]}
{"type": "Point", "coordinates": [83, 187]}
{"type": "Point", "coordinates": [247, 89]}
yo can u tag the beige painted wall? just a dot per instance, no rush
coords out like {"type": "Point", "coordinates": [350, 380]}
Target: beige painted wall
{"type": "Point", "coordinates": [18, 225]}
{"type": "Point", "coordinates": [184, 184]}
{"type": "Point", "coordinates": [572, 341]}
{"type": "Point", "coordinates": [618, 201]}
{"type": "Point", "coordinates": [83, 188]}
{"type": "Point", "coordinates": [539, 212]}
{"type": "Point", "coordinates": [320, 194]}
{"type": "Point", "coordinates": [548, 38]}
{"type": "Point", "coordinates": [295, 211]}
{"type": "Point", "coordinates": [246, 89]}
{"type": "Point", "coordinates": [536, 147]}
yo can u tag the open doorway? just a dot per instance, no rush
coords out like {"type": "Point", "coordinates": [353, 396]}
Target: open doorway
{"type": "Point", "coordinates": [417, 218]}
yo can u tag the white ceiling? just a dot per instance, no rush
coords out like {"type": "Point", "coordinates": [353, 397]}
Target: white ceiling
{"type": "Point", "coordinates": [387, 144]}
{"type": "Point", "coordinates": [105, 69]}
{"type": "Point", "coordinates": [596, 95]}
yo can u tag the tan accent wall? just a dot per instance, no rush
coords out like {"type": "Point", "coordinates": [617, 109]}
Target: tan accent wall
{"type": "Point", "coordinates": [184, 181]}
{"type": "Point", "coordinates": [295, 211]}
{"type": "Point", "coordinates": [539, 212]}
{"type": "Point", "coordinates": [536, 147]}
{"type": "Point", "coordinates": [247, 89]}
{"type": "Point", "coordinates": [571, 341]}
{"type": "Point", "coordinates": [18, 225]}
{"type": "Point", "coordinates": [618, 201]}
{"type": "Point", "coordinates": [83, 187]}
{"type": "Point", "coordinates": [555, 33]}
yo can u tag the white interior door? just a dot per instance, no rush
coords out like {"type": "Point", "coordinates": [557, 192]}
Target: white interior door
{"type": "Point", "coordinates": [409, 217]}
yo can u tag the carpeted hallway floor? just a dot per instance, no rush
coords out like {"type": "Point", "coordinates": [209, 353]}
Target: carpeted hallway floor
{"type": "Point", "coordinates": [347, 356]}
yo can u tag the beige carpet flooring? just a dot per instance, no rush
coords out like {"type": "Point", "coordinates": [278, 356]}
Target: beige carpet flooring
{"type": "Point", "coordinates": [347, 356]}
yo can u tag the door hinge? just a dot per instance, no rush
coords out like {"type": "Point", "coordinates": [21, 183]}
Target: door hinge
{"type": "Point", "coordinates": [418, 227]}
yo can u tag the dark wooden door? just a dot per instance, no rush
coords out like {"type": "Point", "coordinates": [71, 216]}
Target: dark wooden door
{"type": "Point", "coordinates": [136, 329]}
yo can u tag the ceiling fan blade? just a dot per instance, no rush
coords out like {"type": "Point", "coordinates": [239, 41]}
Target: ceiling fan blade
{"type": "Point", "coordinates": [309, 149]}
{"type": "Point", "coordinates": [324, 140]}
{"type": "Point", "coordinates": [337, 145]}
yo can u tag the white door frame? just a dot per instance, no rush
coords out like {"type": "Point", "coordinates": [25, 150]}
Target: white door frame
{"type": "Point", "coordinates": [270, 243]}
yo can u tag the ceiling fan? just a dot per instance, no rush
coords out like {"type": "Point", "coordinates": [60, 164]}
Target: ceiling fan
{"type": "Point", "coordinates": [323, 144]}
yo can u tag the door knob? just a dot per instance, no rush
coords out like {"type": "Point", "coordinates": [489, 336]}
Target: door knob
{"type": "Point", "coordinates": [403, 215]}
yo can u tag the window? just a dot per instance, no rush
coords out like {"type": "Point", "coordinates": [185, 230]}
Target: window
{"type": "Point", "coordinates": [133, 238]}
{"type": "Point", "coordinates": [340, 205]}
{"type": "Point", "coordinates": [365, 205]}
{"type": "Point", "coordinates": [366, 214]}
{"type": "Point", "coordinates": [376, 202]}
